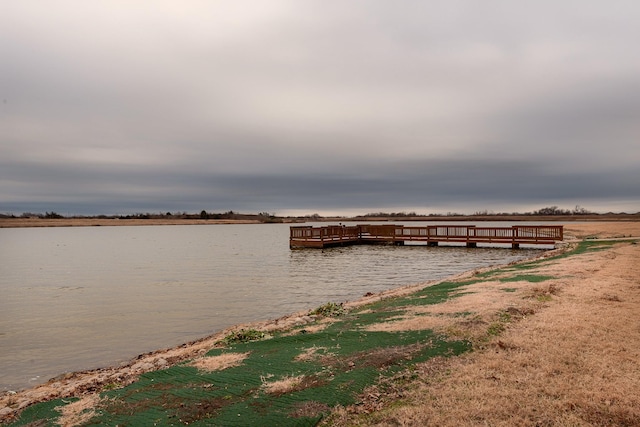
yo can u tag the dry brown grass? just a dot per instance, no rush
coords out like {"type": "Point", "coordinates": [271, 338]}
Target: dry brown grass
{"type": "Point", "coordinates": [78, 412]}
{"type": "Point", "coordinates": [411, 322]}
{"type": "Point", "coordinates": [469, 315]}
{"type": "Point", "coordinates": [282, 386]}
{"type": "Point", "coordinates": [313, 328]}
{"type": "Point", "coordinates": [575, 362]}
{"type": "Point", "coordinates": [310, 409]}
{"type": "Point", "coordinates": [291, 384]}
{"type": "Point", "coordinates": [220, 362]}
{"type": "Point", "coordinates": [603, 230]}
{"type": "Point", "coordinates": [311, 353]}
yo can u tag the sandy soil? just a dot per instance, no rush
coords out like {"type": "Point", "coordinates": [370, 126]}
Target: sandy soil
{"type": "Point", "coordinates": [577, 352]}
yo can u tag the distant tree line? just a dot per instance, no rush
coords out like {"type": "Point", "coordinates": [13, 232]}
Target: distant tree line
{"type": "Point", "coordinates": [203, 214]}
{"type": "Point", "coordinates": [272, 217]}
{"type": "Point", "coordinates": [391, 214]}
{"type": "Point", "coordinates": [554, 210]}
{"type": "Point", "coordinates": [547, 211]}
{"type": "Point", "coordinates": [34, 215]}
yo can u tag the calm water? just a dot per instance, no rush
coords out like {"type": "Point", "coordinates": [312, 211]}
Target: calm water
{"type": "Point", "coordinates": [81, 298]}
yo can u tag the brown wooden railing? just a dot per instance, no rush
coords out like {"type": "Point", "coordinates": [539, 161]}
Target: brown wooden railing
{"type": "Point", "coordinates": [432, 235]}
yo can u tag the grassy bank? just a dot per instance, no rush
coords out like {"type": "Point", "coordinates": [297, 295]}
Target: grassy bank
{"type": "Point", "coordinates": [360, 364]}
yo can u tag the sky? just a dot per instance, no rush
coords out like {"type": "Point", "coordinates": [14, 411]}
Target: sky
{"type": "Point", "coordinates": [330, 106]}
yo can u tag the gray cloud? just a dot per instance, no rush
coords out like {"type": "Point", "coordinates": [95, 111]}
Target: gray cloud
{"type": "Point", "coordinates": [112, 107]}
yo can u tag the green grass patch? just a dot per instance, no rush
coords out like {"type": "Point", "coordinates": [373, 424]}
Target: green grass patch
{"type": "Point", "coordinates": [509, 289]}
{"type": "Point", "coordinates": [434, 294]}
{"type": "Point", "coordinates": [532, 278]}
{"type": "Point", "coordinates": [586, 246]}
{"type": "Point", "coordinates": [499, 325]}
{"type": "Point", "coordinates": [42, 414]}
{"type": "Point", "coordinates": [344, 364]}
{"type": "Point", "coordinates": [489, 274]}
{"type": "Point", "coordinates": [495, 328]}
{"type": "Point", "coordinates": [362, 318]}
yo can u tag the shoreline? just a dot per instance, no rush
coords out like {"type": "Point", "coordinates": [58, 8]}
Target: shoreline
{"type": "Point", "coordinates": [92, 381]}
{"type": "Point", "coordinates": [21, 374]}
{"type": "Point", "coordinates": [112, 222]}
{"type": "Point", "coordinates": [70, 384]}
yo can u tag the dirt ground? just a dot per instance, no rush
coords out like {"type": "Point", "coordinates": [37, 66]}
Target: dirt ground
{"type": "Point", "coordinates": [571, 358]}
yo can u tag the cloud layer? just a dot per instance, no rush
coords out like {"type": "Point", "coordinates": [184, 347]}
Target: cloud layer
{"type": "Point", "coordinates": [289, 106]}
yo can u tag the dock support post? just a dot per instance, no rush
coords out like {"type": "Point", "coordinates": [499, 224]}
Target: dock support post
{"type": "Point", "coordinates": [472, 245]}
{"type": "Point", "coordinates": [432, 244]}
{"type": "Point", "coordinates": [515, 246]}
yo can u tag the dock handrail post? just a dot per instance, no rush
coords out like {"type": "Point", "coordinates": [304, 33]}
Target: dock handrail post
{"type": "Point", "coordinates": [395, 233]}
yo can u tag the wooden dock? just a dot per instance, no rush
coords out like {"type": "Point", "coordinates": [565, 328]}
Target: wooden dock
{"type": "Point", "coordinates": [430, 235]}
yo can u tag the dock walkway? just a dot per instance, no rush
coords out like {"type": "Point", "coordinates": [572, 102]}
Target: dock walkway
{"type": "Point", "coordinates": [431, 235]}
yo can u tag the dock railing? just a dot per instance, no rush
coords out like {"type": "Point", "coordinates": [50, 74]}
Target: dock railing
{"type": "Point", "coordinates": [308, 236]}
{"type": "Point", "coordinates": [471, 235]}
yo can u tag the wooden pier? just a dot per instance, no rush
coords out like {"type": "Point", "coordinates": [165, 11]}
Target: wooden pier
{"type": "Point", "coordinates": [431, 235]}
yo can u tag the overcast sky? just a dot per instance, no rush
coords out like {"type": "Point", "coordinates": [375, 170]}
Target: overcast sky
{"type": "Point", "coordinates": [331, 106]}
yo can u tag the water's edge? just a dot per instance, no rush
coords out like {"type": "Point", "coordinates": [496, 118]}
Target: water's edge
{"type": "Point", "coordinates": [93, 297]}
{"type": "Point", "coordinates": [128, 370]}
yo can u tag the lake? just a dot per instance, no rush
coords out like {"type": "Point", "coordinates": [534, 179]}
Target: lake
{"type": "Point", "coordinates": [87, 297]}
